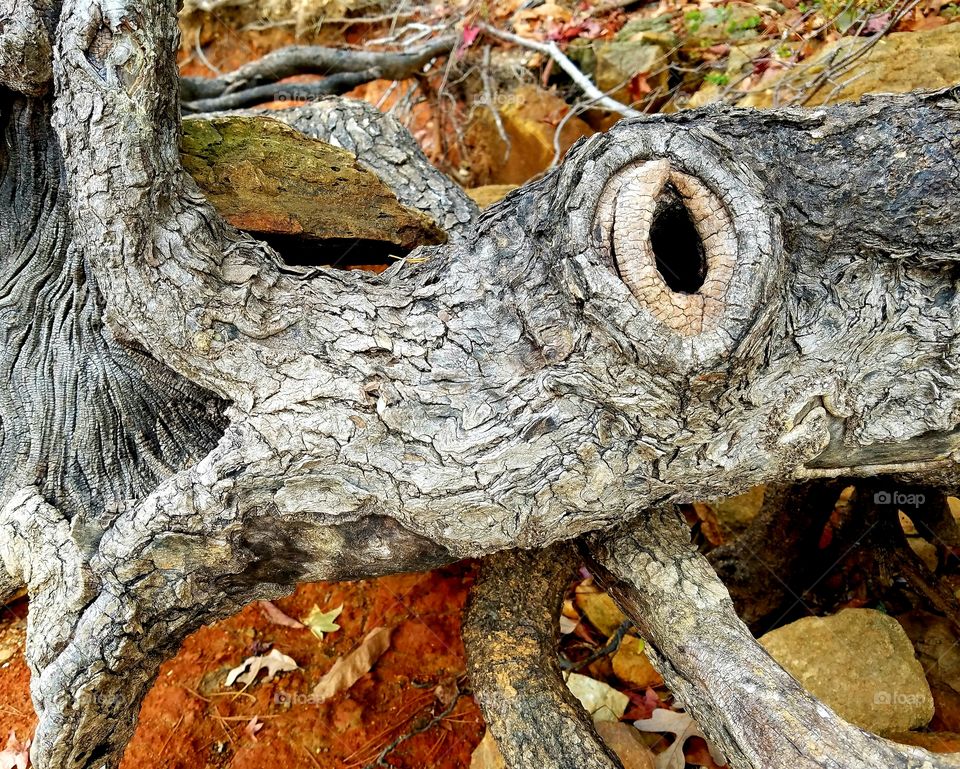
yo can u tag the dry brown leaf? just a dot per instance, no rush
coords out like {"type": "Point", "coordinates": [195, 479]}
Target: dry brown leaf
{"type": "Point", "coordinates": [624, 740]}
{"type": "Point", "coordinates": [16, 755]}
{"type": "Point", "coordinates": [277, 617]}
{"type": "Point", "coordinates": [630, 664]}
{"type": "Point", "coordinates": [347, 670]}
{"type": "Point", "coordinates": [487, 755]}
{"type": "Point", "coordinates": [246, 672]}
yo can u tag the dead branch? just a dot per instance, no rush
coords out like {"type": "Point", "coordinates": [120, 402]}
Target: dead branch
{"type": "Point", "coordinates": [256, 82]}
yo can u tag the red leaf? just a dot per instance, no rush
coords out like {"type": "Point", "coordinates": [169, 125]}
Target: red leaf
{"type": "Point", "coordinates": [470, 34]}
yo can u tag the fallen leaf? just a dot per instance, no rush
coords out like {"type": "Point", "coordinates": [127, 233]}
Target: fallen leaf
{"type": "Point", "coordinates": [253, 726]}
{"type": "Point", "coordinates": [277, 617]}
{"type": "Point", "coordinates": [346, 671]}
{"type": "Point", "coordinates": [446, 691]}
{"type": "Point", "coordinates": [567, 625]}
{"type": "Point", "coordinates": [16, 755]}
{"type": "Point", "coordinates": [321, 622]}
{"type": "Point", "coordinates": [630, 664]}
{"type": "Point", "coordinates": [642, 705]}
{"type": "Point", "coordinates": [624, 740]}
{"type": "Point", "coordinates": [600, 700]}
{"type": "Point", "coordinates": [683, 727]}
{"type": "Point", "coordinates": [600, 609]}
{"type": "Point", "coordinates": [274, 662]}
{"type": "Point", "coordinates": [487, 755]}
{"type": "Point", "coordinates": [470, 33]}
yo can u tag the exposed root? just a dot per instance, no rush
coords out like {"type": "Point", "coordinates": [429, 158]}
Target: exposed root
{"type": "Point", "coordinates": [511, 636]}
{"type": "Point", "coordinates": [873, 526]}
{"type": "Point", "coordinates": [256, 82]}
{"type": "Point", "coordinates": [751, 708]}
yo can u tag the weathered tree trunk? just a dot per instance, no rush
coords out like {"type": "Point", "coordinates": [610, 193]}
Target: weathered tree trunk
{"type": "Point", "coordinates": [689, 306]}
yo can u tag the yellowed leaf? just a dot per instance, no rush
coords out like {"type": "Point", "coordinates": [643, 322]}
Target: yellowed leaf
{"type": "Point", "coordinates": [321, 622]}
{"type": "Point", "coordinates": [347, 670]}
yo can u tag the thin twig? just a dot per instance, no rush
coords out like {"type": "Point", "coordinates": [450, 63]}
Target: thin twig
{"type": "Point", "coordinates": [491, 105]}
{"type": "Point", "coordinates": [551, 49]}
{"type": "Point", "coordinates": [609, 648]}
{"type": "Point", "coordinates": [381, 760]}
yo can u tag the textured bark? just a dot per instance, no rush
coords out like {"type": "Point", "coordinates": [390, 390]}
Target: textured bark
{"type": "Point", "coordinates": [256, 81]}
{"type": "Point", "coordinates": [751, 708]}
{"type": "Point", "coordinates": [192, 423]}
{"type": "Point", "coordinates": [511, 634]}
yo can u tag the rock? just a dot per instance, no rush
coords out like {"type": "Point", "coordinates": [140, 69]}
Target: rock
{"type": "Point", "coordinates": [600, 609]}
{"type": "Point", "coordinates": [530, 116]}
{"type": "Point", "coordinates": [488, 194]}
{"type": "Point", "coordinates": [630, 664]}
{"type": "Point", "coordinates": [861, 663]}
{"type": "Point", "coordinates": [725, 23]}
{"type": "Point", "coordinates": [632, 70]}
{"type": "Point", "coordinates": [897, 63]}
{"type": "Point", "coordinates": [269, 179]}
{"type": "Point", "coordinates": [739, 62]}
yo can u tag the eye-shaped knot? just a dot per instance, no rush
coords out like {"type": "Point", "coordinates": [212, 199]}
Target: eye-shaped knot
{"type": "Point", "coordinates": [672, 242]}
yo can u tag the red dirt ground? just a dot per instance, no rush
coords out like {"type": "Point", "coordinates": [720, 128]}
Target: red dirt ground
{"type": "Point", "coordinates": [191, 720]}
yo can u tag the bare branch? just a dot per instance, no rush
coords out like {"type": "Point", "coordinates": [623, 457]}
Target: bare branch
{"type": "Point", "coordinates": [551, 49]}
{"type": "Point", "coordinates": [344, 69]}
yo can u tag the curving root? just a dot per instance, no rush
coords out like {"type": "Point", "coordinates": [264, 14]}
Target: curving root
{"type": "Point", "coordinates": [510, 634]}
{"type": "Point", "coordinates": [749, 706]}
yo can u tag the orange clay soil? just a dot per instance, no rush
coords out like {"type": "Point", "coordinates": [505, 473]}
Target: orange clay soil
{"type": "Point", "coordinates": [191, 720]}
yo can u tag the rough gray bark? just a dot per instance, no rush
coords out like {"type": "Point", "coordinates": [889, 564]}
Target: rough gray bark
{"type": "Point", "coordinates": [256, 82]}
{"type": "Point", "coordinates": [193, 424]}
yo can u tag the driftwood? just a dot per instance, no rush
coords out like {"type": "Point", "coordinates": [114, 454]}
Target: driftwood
{"type": "Point", "coordinates": [688, 306]}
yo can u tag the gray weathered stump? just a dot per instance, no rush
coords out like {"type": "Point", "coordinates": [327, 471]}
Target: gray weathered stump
{"type": "Point", "coordinates": [690, 305]}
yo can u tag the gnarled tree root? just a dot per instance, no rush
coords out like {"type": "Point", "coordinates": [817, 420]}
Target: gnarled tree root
{"type": "Point", "coordinates": [257, 81]}
{"type": "Point", "coordinates": [751, 708]}
{"type": "Point", "coordinates": [511, 638]}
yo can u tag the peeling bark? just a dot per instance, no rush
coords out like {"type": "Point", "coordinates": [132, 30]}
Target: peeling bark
{"type": "Point", "coordinates": [192, 423]}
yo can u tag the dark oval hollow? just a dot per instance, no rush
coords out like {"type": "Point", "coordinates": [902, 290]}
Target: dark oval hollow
{"type": "Point", "coordinates": [676, 244]}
